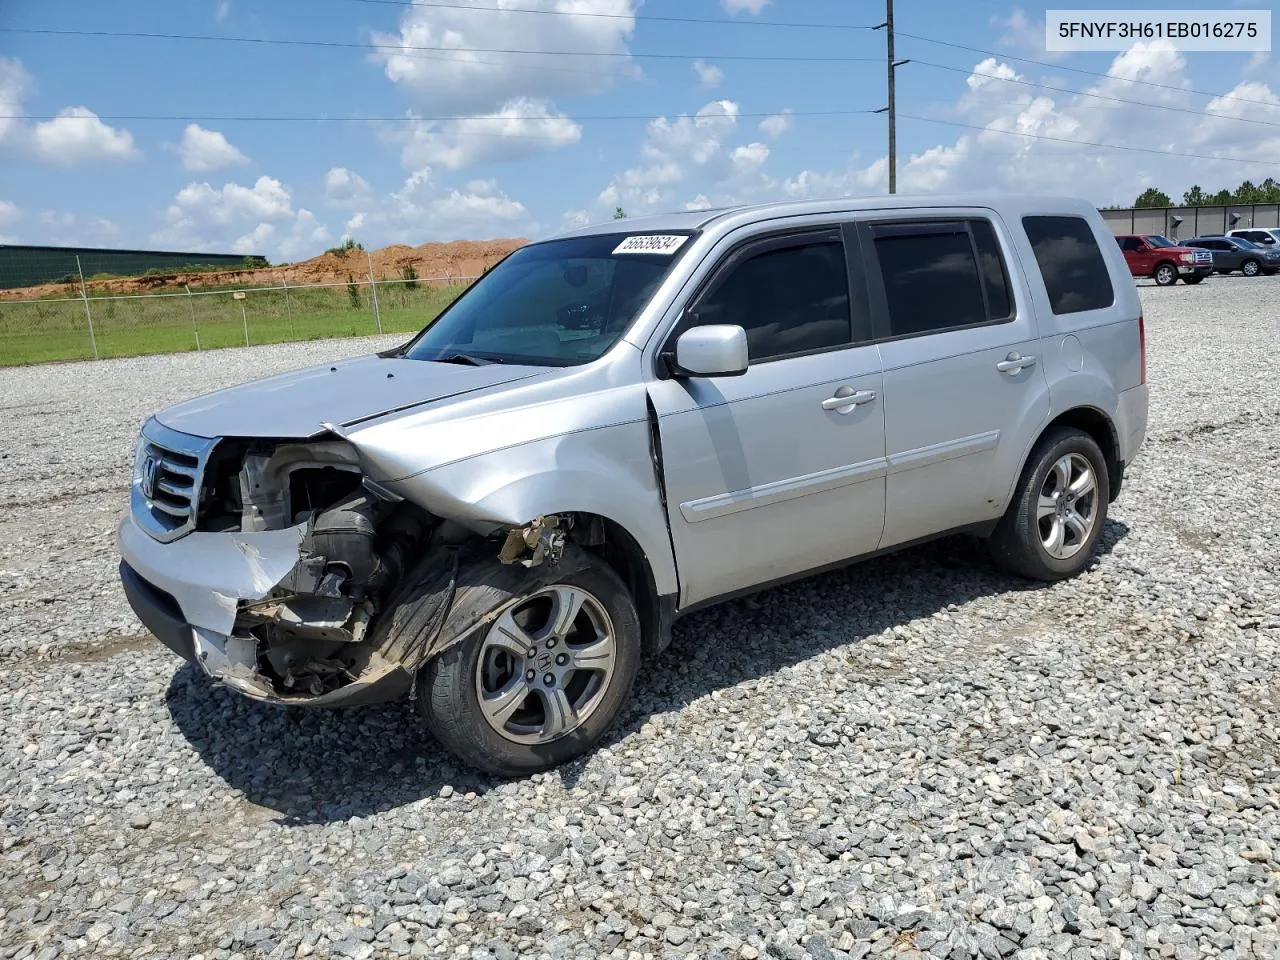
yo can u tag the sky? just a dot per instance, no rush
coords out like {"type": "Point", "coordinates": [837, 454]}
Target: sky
{"type": "Point", "coordinates": [395, 121]}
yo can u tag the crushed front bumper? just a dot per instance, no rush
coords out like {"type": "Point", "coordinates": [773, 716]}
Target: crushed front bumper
{"type": "Point", "coordinates": [187, 593]}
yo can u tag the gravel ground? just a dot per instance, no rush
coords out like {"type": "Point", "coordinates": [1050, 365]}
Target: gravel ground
{"type": "Point", "coordinates": [916, 756]}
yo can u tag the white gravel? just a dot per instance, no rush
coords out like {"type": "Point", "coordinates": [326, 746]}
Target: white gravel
{"type": "Point", "coordinates": [916, 756]}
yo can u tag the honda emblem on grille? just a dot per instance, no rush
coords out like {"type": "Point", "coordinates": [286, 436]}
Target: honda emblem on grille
{"type": "Point", "coordinates": [149, 478]}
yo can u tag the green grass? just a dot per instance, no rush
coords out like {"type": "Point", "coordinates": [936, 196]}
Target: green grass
{"type": "Point", "coordinates": [39, 331]}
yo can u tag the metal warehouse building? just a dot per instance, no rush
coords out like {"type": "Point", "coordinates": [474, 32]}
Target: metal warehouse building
{"type": "Point", "coordinates": [1188, 222]}
{"type": "Point", "coordinates": [24, 266]}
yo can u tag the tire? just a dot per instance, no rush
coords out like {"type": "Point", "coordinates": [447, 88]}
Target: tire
{"type": "Point", "coordinates": [452, 684]}
{"type": "Point", "coordinates": [1018, 544]}
{"type": "Point", "coordinates": [1165, 275]}
{"type": "Point", "coordinates": [1191, 281]}
{"type": "Point", "coordinates": [1250, 268]}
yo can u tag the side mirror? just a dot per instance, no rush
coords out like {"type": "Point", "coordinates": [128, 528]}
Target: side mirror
{"type": "Point", "coordinates": [716, 350]}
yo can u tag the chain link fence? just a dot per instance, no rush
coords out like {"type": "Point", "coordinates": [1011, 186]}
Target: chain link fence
{"type": "Point", "coordinates": [94, 327]}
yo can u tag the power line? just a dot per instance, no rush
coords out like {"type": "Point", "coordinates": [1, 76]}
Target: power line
{"type": "Point", "coordinates": [1088, 73]}
{"type": "Point", "coordinates": [275, 41]}
{"type": "Point", "coordinates": [1088, 143]}
{"type": "Point", "coordinates": [442, 119]}
{"type": "Point", "coordinates": [1094, 96]}
{"type": "Point", "coordinates": [654, 18]}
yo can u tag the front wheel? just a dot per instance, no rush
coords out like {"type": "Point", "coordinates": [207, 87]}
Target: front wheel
{"type": "Point", "coordinates": [1166, 275]}
{"type": "Point", "coordinates": [1250, 268]}
{"type": "Point", "coordinates": [1192, 280]}
{"type": "Point", "coordinates": [541, 679]}
{"type": "Point", "coordinates": [1054, 522]}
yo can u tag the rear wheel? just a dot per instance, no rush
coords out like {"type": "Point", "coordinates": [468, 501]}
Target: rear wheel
{"type": "Point", "coordinates": [1193, 279]}
{"type": "Point", "coordinates": [1054, 522]}
{"type": "Point", "coordinates": [1250, 268]}
{"type": "Point", "coordinates": [1166, 275]}
{"type": "Point", "coordinates": [541, 678]}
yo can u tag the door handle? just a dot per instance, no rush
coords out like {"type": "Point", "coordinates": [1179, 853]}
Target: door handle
{"type": "Point", "coordinates": [846, 398]}
{"type": "Point", "coordinates": [1014, 363]}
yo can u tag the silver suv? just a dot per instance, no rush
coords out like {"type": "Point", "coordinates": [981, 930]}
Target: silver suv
{"type": "Point", "coordinates": [501, 519]}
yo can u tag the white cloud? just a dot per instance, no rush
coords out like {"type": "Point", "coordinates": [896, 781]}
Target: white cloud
{"type": "Point", "coordinates": [693, 155]}
{"type": "Point", "coordinates": [204, 150]}
{"type": "Point", "coordinates": [993, 157]}
{"type": "Point", "coordinates": [709, 75]}
{"type": "Point", "coordinates": [9, 213]}
{"type": "Point", "coordinates": [573, 219]}
{"type": "Point", "coordinates": [741, 6]}
{"type": "Point", "coordinates": [345, 188]}
{"type": "Point", "coordinates": [520, 127]}
{"type": "Point", "coordinates": [470, 81]}
{"type": "Point", "coordinates": [258, 219]}
{"type": "Point", "coordinates": [776, 125]}
{"type": "Point", "coordinates": [267, 199]}
{"type": "Point", "coordinates": [68, 230]}
{"type": "Point", "coordinates": [14, 81]}
{"type": "Point", "coordinates": [422, 209]}
{"type": "Point", "coordinates": [223, 8]}
{"type": "Point", "coordinates": [76, 135]}
{"type": "Point", "coordinates": [1021, 32]}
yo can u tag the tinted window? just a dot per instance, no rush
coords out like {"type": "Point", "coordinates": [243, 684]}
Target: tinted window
{"type": "Point", "coordinates": [931, 282]}
{"type": "Point", "coordinates": [994, 277]}
{"type": "Point", "coordinates": [1130, 243]}
{"type": "Point", "coordinates": [789, 301]}
{"type": "Point", "coordinates": [1075, 274]}
{"type": "Point", "coordinates": [1159, 241]}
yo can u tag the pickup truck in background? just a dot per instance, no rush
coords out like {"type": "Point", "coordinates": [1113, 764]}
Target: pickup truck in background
{"type": "Point", "coordinates": [1161, 259]}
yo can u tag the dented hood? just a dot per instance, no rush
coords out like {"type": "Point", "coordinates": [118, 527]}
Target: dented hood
{"type": "Point", "coordinates": [295, 405]}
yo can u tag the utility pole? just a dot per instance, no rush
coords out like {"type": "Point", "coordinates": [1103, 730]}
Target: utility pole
{"type": "Point", "coordinates": [891, 66]}
{"type": "Point", "coordinates": [893, 106]}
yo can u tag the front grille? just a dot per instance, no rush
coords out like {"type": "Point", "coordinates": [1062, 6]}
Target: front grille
{"type": "Point", "coordinates": [167, 479]}
{"type": "Point", "coordinates": [1203, 256]}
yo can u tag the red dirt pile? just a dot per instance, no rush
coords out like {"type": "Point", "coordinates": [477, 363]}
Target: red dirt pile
{"type": "Point", "coordinates": [460, 258]}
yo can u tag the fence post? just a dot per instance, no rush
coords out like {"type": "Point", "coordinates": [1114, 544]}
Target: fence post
{"type": "Point", "coordinates": [242, 296]}
{"type": "Point", "coordinates": [373, 288]}
{"type": "Point", "coordinates": [84, 295]}
{"type": "Point", "coordinates": [288, 309]}
{"type": "Point", "coordinates": [191, 302]}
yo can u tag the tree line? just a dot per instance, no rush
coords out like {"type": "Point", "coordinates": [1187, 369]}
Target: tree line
{"type": "Point", "coordinates": [1266, 192]}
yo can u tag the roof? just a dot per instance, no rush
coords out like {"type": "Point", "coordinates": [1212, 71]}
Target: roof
{"type": "Point", "coordinates": [692, 220]}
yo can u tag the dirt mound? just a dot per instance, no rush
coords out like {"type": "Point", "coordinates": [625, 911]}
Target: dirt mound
{"type": "Point", "coordinates": [444, 261]}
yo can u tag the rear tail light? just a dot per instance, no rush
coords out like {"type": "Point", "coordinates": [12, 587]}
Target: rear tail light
{"type": "Point", "coordinates": [1142, 350]}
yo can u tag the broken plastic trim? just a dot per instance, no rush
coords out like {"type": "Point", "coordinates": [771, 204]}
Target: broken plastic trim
{"type": "Point", "coordinates": [541, 540]}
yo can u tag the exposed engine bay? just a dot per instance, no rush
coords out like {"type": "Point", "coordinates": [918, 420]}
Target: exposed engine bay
{"type": "Point", "coordinates": [314, 631]}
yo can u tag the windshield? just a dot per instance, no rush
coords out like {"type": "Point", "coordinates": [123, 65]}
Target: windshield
{"type": "Point", "coordinates": [558, 303]}
{"type": "Point", "coordinates": [1158, 241]}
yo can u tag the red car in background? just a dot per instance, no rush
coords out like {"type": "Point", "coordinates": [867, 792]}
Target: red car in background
{"type": "Point", "coordinates": [1161, 259]}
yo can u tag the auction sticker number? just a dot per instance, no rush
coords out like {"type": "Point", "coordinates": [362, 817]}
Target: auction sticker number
{"type": "Point", "coordinates": [651, 243]}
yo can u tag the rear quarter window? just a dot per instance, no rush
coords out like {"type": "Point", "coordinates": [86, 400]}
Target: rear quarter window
{"type": "Point", "coordinates": [1074, 271]}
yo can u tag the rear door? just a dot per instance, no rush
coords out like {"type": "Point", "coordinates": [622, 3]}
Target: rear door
{"type": "Point", "coordinates": [962, 380]}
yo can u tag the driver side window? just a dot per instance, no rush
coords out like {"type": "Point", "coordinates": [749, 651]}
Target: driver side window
{"type": "Point", "coordinates": [790, 300]}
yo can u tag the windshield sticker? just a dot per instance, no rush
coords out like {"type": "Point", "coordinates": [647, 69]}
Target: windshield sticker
{"type": "Point", "coordinates": [651, 243]}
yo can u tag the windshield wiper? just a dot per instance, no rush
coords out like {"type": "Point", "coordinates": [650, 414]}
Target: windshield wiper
{"type": "Point", "coordinates": [471, 358]}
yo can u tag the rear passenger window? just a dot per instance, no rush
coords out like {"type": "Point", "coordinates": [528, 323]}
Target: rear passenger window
{"type": "Point", "coordinates": [790, 300]}
{"type": "Point", "coordinates": [939, 276]}
{"type": "Point", "coordinates": [1075, 275]}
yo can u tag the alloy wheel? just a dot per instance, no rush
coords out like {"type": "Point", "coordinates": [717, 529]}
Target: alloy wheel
{"type": "Point", "coordinates": [545, 664]}
{"type": "Point", "coordinates": [1067, 509]}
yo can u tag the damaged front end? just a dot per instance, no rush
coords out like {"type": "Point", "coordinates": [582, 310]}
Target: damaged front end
{"type": "Point", "coordinates": [290, 558]}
